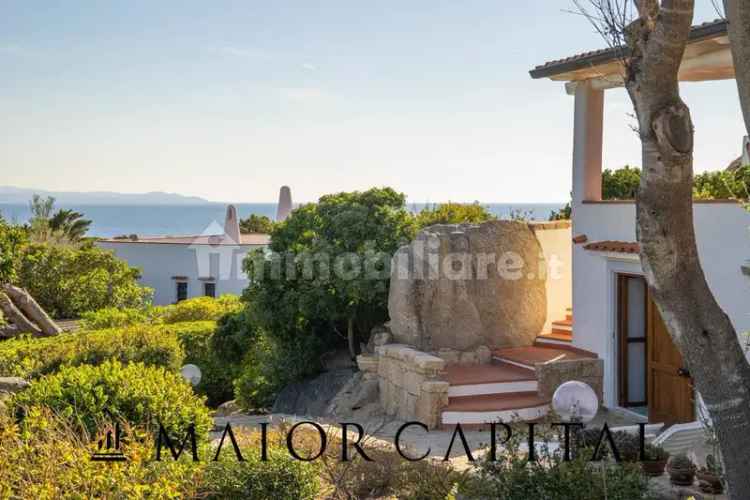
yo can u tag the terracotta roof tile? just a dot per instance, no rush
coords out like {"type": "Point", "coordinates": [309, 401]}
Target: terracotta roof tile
{"type": "Point", "coordinates": [614, 246]}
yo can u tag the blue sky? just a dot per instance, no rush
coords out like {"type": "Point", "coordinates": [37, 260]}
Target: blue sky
{"type": "Point", "coordinates": [230, 100]}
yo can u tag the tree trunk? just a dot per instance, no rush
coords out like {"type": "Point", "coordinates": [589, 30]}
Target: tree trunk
{"type": "Point", "coordinates": [738, 15]}
{"type": "Point", "coordinates": [9, 331]}
{"type": "Point", "coordinates": [16, 317]}
{"type": "Point", "coordinates": [32, 310]}
{"type": "Point", "coordinates": [669, 254]}
{"type": "Point", "coordinates": [351, 338]}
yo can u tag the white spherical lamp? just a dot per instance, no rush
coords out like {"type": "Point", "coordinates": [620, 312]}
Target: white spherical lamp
{"type": "Point", "coordinates": [575, 402]}
{"type": "Point", "coordinates": [191, 373]}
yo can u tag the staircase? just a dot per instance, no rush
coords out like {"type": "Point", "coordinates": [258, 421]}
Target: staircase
{"type": "Point", "coordinates": [507, 389]}
{"type": "Point", "coordinates": [561, 334]}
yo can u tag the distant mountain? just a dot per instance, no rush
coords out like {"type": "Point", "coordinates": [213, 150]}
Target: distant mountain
{"type": "Point", "coordinates": [13, 195]}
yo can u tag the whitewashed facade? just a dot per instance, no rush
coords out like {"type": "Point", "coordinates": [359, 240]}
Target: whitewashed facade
{"type": "Point", "coordinates": [605, 251]}
{"type": "Point", "coordinates": [184, 267]}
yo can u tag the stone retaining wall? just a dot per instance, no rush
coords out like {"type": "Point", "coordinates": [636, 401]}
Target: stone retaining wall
{"type": "Point", "coordinates": [411, 383]}
{"type": "Point", "coordinates": [479, 356]}
{"type": "Point", "coordinates": [552, 375]}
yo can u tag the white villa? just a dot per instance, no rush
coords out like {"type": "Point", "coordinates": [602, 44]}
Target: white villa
{"type": "Point", "coordinates": [601, 327]}
{"type": "Point", "coordinates": [209, 264]}
{"type": "Point", "coordinates": [613, 314]}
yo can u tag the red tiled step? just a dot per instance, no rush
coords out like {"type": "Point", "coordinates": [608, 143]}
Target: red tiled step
{"type": "Point", "coordinates": [475, 380]}
{"type": "Point", "coordinates": [565, 325]}
{"type": "Point", "coordinates": [527, 357]}
{"type": "Point", "coordinates": [494, 407]}
{"type": "Point", "coordinates": [556, 336]}
{"type": "Point", "coordinates": [496, 402]}
{"type": "Point", "coordinates": [485, 374]}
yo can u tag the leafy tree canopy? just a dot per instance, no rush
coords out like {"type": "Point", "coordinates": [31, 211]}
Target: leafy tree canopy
{"type": "Point", "coordinates": [453, 213]}
{"type": "Point", "coordinates": [256, 224]}
{"type": "Point", "coordinates": [12, 238]}
{"type": "Point", "coordinates": [330, 266]}
{"type": "Point", "coordinates": [620, 184]}
{"type": "Point", "coordinates": [62, 226]}
{"type": "Point", "coordinates": [67, 280]}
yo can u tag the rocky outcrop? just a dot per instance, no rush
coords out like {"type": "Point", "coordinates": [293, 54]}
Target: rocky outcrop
{"type": "Point", "coordinates": [312, 397]}
{"type": "Point", "coordinates": [10, 386]}
{"type": "Point", "coordinates": [465, 286]}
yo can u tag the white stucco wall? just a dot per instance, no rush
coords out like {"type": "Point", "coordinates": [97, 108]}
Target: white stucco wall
{"type": "Point", "coordinates": [557, 248]}
{"type": "Point", "coordinates": [723, 246]}
{"type": "Point", "coordinates": [161, 262]}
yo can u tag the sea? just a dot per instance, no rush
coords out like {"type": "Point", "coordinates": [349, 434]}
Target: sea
{"type": "Point", "coordinates": [179, 220]}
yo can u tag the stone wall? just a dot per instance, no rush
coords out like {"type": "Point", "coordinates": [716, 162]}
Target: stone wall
{"type": "Point", "coordinates": [552, 375]}
{"type": "Point", "coordinates": [479, 356]}
{"type": "Point", "coordinates": [411, 384]}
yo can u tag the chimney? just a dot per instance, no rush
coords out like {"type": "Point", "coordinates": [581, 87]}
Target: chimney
{"type": "Point", "coordinates": [285, 204]}
{"type": "Point", "coordinates": [232, 224]}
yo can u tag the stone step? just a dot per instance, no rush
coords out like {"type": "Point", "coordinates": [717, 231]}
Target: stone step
{"type": "Point", "coordinates": [495, 407]}
{"type": "Point", "coordinates": [528, 357]}
{"type": "Point", "coordinates": [475, 380]}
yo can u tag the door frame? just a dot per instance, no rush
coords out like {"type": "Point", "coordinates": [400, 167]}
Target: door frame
{"type": "Point", "coordinates": [622, 340]}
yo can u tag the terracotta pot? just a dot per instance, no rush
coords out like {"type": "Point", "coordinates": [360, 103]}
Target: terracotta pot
{"type": "Point", "coordinates": [654, 468]}
{"type": "Point", "coordinates": [681, 477]}
{"type": "Point", "coordinates": [710, 482]}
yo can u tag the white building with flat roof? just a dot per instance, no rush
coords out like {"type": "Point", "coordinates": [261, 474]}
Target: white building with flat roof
{"type": "Point", "coordinates": [182, 267]}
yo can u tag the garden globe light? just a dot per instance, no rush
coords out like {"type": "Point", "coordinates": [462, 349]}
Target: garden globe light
{"type": "Point", "coordinates": [575, 402]}
{"type": "Point", "coordinates": [191, 373]}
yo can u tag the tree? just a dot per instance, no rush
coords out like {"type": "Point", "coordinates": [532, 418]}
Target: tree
{"type": "Point", "coordinates": [453, 213]}
{"type": "Point", "coordinates": [63, 226]}
{"type": "Point", "coordinates": [656, 42]}
{"type": "Point", "coordinates": [12, 238]}
{"type": "Point", "coordinates": [69, 224]}
{"type": "Point", "coordinates": [620, 184]}
{"type": "Point", "coordinates": [67, 281]}
{"type": "Point", "coordinates": [330, 267]}
{"type": "Point", "coordinates": [256, 224]}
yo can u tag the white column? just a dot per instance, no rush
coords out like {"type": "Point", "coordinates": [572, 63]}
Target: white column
{"type": "Point", "coordinates": [587, 143]}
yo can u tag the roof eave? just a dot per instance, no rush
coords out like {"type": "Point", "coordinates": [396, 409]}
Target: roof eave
{"type": "Point", "coordinates": [701, 32]}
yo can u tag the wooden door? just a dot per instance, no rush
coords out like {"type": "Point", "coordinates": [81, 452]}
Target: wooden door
{"type": "Point", "coordinates": [670, 389]}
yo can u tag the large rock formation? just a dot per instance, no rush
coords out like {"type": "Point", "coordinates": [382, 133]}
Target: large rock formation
{"type": "Point", "coordinates": [464, 286]}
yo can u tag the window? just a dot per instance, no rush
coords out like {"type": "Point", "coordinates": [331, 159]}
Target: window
{"type": "Point", "coordinates": [182, 290]}
{"type": "Point", "coordinates": [209, 289]}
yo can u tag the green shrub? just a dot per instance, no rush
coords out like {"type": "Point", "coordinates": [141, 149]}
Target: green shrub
{"type": "Point", "coordinates": [723, 184]}
{"type": "Point", "coordinates": [271, 364]}
{"type": "Point", "coordinates": [12, 239]}
{"type": "Point", "coordinates": [514, 477]}
{"type": "Point", "coordinates": [140, 395]}
{"type": "Point", "coordinates": [218, 370]}
{"type": "Point", "coordinates": [48, 458]}
{"type": "Point", "coordinates": [281, 478]}
{"type": "Point", "coordinates": [169, 346]}
{"type": "Point", "coordinates": [68, 280]}
{"type": "Point", "coordinates": [113, 317]}
{"type": "Point", "coordinates": [453, 213]}
{"type": "Point", "coordinates": [197, 309]}
{"type": "Point", "coordinates": [153, 345]}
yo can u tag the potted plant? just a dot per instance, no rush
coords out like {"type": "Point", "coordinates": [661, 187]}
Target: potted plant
{"type": "Point", "coordinates": [681, 470]}
{"type": "Point", "coordinates": [709, 477]}
{"type": "Point", "coordinates": [657, 460]}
